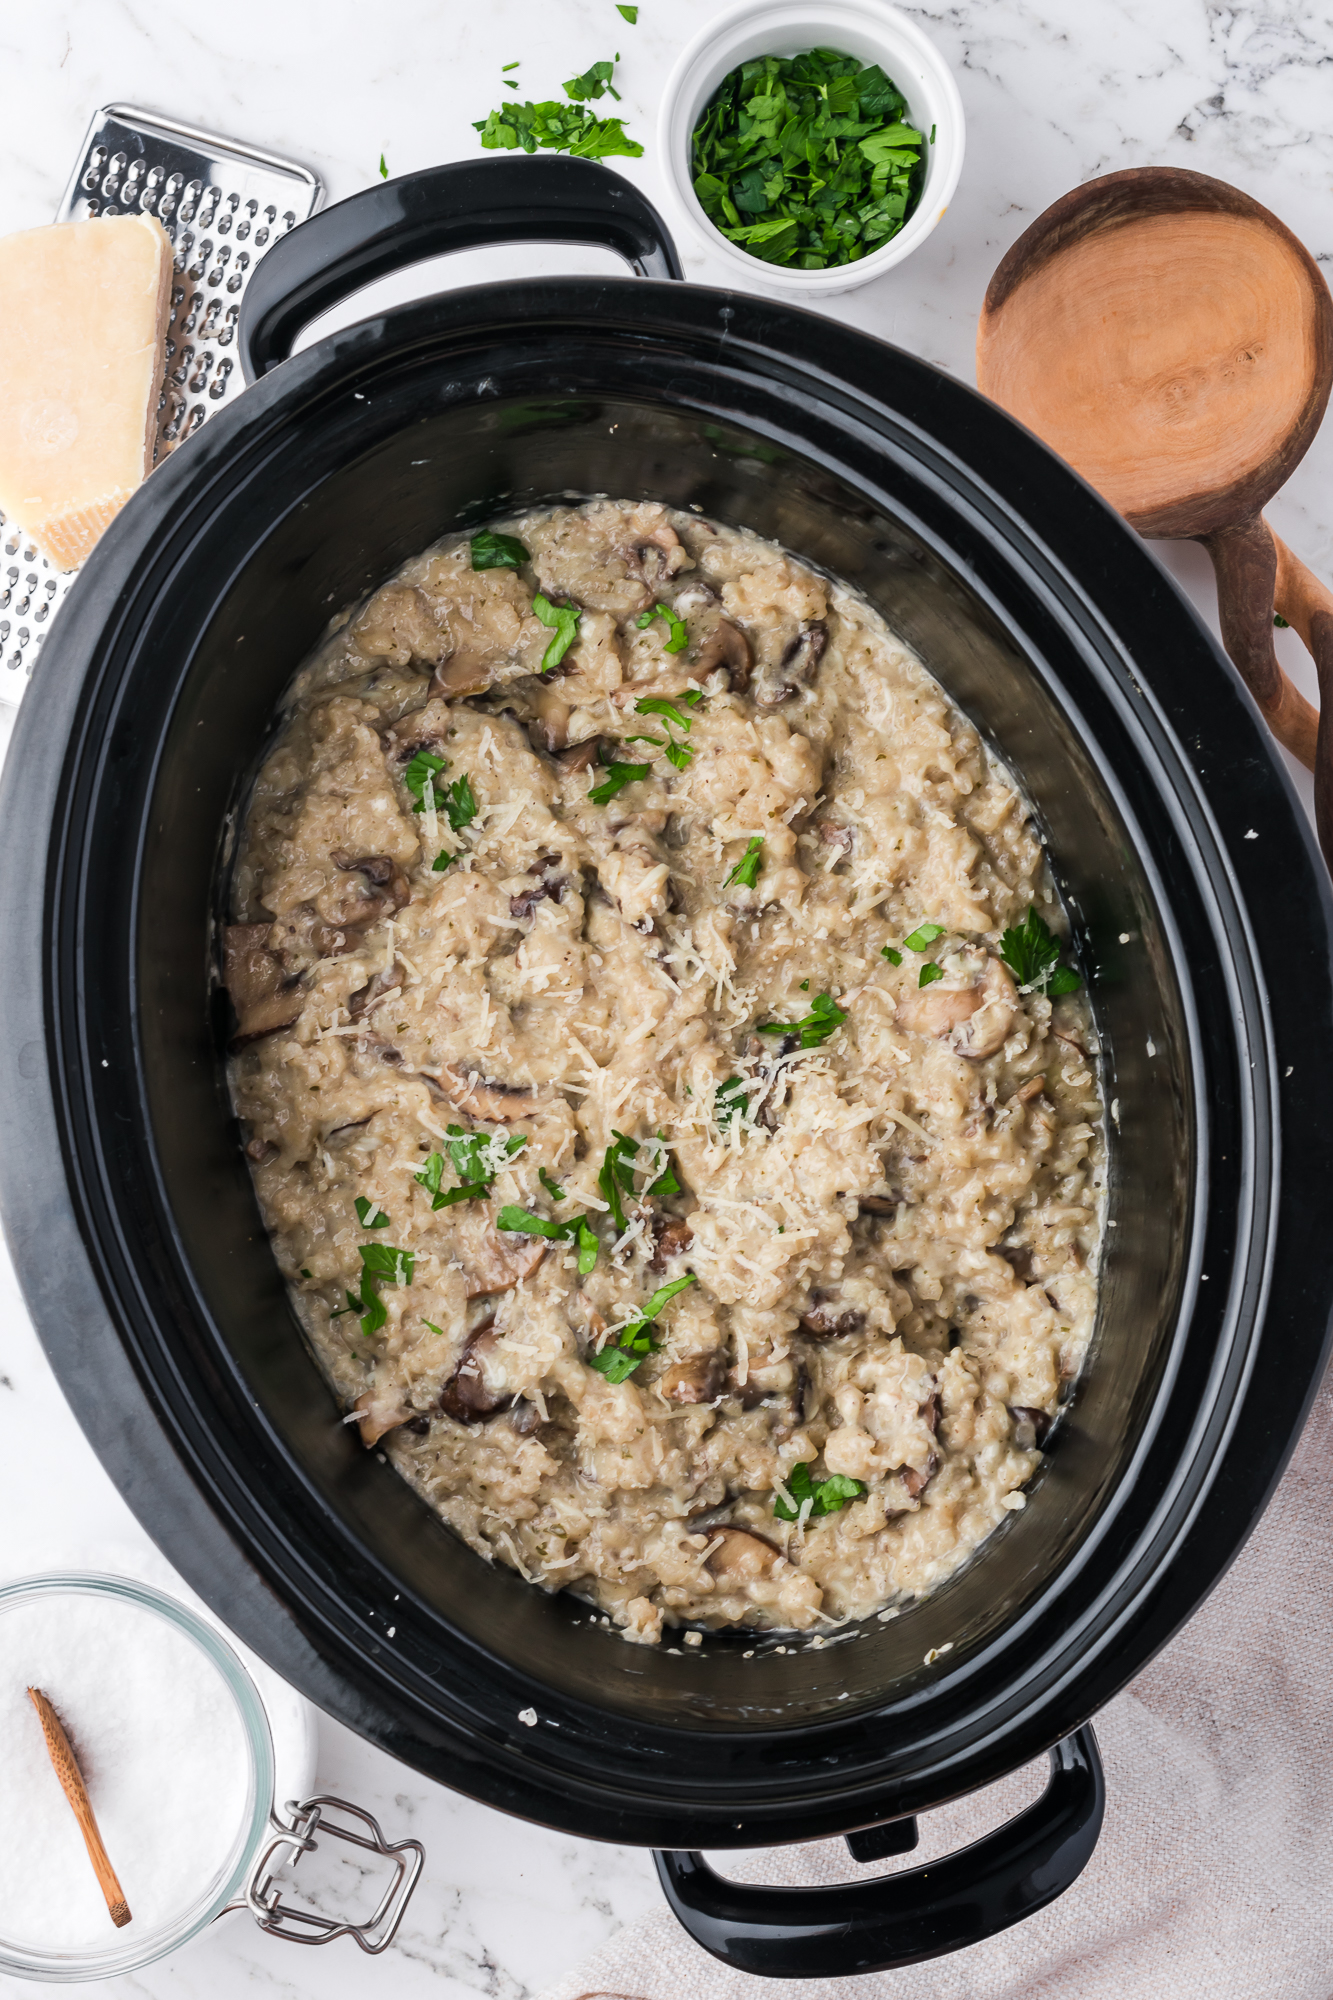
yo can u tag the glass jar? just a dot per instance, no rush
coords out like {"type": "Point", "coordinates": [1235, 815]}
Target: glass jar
{"type": "Point", "coordinates": [263, 1839]}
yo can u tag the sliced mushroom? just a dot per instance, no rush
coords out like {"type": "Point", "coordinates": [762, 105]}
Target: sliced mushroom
{"type": "Point", "coordinates": [974, 1020]}
{"type": "Point", "coordinates": [916, 1482]}
{"type": "Point", "coordinates": [497, 1263]}
{"type": "Point", "coordinates": [836, 836]}
{"type": "Point", "coordinates": [929, 1411]}
{"type": "Point", "coordinates": [581, 757]}
{"type": "Point", "coordinates": [742, 1557]}
{"type": "Point", "coordinates": [524, 1417]}
{"type": "Point", "coordinates": [672, 1238]}
{"type": "Point", "coordinates": [378, 987]}
{"type": "Point", "coordinates": [1026, 1092]}
{"type": "Point", "coordinates": [825, 1322]}
{"type": "Point", "coordinates": [548, 725]}
{"type": "Point", "coordinates": [387, 887]}
{"type": "Point", "coordinates": [698, 1380]}
{"type": "Point", "coordinates": [469, 1395]}
{"type": "Point", "coordinates": [261, 1151]}
{"type": "Point", "coordinates": [484, 1097]}
{"type": "Point", "coordinates": [877, 1204]}
{"type": "Point", "coordinates": [726, 646]}
{"type": "Point", "coordinates": [264, 996]}
{"type": "Point", "coordinates": [1030, 1426]}
{"type": "Point", "coordinates": [549, 884]}
{"type": "Point", "coordinates": [797, 667]}
{"type": "Point", "coordinates": [380, 1411]}
{"type": "Point", "coordinates": [463, 673]}
{"type": "Point", "coordinates": [341, 1133]}
{"type": "Point", "coordinates": [693, 595]}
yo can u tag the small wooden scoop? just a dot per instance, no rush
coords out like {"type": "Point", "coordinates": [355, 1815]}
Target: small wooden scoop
{"type": "Point", "coordinates": [71, 1783]}
{"type": "Point", "coordinates": [1173, 341]}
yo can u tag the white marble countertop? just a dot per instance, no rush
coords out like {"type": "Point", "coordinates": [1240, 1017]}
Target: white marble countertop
{"type": "Point", "coordinates": [1053, 94]}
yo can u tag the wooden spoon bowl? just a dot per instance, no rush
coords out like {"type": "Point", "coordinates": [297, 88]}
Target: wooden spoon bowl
{"type": "Point", "coordinates": [1174, 342]}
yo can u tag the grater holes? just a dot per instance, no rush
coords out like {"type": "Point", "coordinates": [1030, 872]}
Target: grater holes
{"type": "Point", "coordinates": [237, 278]}
{"type": "Point", "coordinates": [218, 388]}
{"type": "Point", "coordinates": [227, 333]}
{"type": "Point", "coordinates": [196, 382]}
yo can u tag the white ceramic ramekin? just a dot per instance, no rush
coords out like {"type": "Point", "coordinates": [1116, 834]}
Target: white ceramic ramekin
{"type": "Point", "coordinates": [868, 29]}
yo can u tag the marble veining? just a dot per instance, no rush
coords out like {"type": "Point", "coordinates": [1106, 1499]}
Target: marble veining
{"type": "Point", "coordinates": [1054, 93]}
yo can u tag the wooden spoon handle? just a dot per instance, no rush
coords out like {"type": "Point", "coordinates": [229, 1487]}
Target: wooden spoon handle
{"type": "Point", "coordinates": [1245, 559]}
{"type": "Point", "coordinates": [71, 1783]}
{"type": "Point", "coordinates": [1307, 606]}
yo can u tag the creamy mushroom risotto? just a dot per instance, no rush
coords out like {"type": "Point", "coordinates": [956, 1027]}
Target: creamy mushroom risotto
{"type": "Point", "coordinates": [664, 1080]}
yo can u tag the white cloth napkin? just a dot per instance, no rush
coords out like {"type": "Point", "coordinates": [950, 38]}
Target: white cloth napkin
{"type": "Point", "coordinates": [1213, 1878]}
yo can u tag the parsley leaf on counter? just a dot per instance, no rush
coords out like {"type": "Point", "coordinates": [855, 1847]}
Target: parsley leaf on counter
{"type": "Point", "coordinates": [677, 641]}
{"type": "Point", "coordinates": [746, 872]}
{"type": "Point", "coordinates": [805, 160]}
{"type": "Point", "coordinates": [616, 779]}
{"type": "Point", "coordinates": [370, 1214]}
{"type": "Point", "coordinates": [553, 127]}
{"type": "Point", "coordinates": [384, 171]}
{"type": "Point", "coordinates": [631, 14]}
{"type": "Point", "coordinates": [828, 1497]}
{"type": "Point", "coordinates": [422, 769]}
{"type": "Point", "coordinates": [563, 620]}
{"type": "Point", "coordinates": [492, 551]}
{"type": "Point", "coordinates": [1032, 953]}
{"type": "Point", "coordinates": [633, 1341]}
{"type": "Point", "coordinates": [595, 79]}
{"type": "Point", "coordinates": [825, 1015]}
{"type": "Point", "coordinates": [923, 937]}
{"type": "Point", "coordinates": [929, 974]}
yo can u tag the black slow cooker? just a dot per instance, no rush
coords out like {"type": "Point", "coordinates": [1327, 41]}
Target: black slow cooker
{"type": "Point", "coordinates": [1202, 922]}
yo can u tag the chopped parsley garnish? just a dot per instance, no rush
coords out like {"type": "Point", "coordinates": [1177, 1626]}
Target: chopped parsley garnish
{"type": "Point", "coordinates": [616, 779]}
{"type": "Point", "coordinates": [634, 1342]}
{"type": "Point", "coordinates": [380, 1264]}
{"type": "Point", "coordinates": [384, 171]}
{"type": "Point", "coordinates": [731, 1100]}
{"type": "Point", "coordinates": [476, 1158]}
{"type": "Point", "coordinates": [894, 957]}
{"type": "Point", "coordinates": [595, 79]}
{"type": "Point", "coordinates": [805, 986]}
{"type": "Point", "coordinates": [370, 1214]}
{"type": "Point", "coordinates": [492, 551]}
{"type": "Point", "coordinates": [631, 14]}
{"type": "Point", "coordinates": [828, 1497]}
{"type": "Point", "coordinates": [657, 704]}
{"type": "Point", "coordinates": [563, 620]}
{"type": "Point", "coordinates": [556, 1193]}
{"type": "Point", "coordinates": [434, 1329]}
{"type": "Point", "coordinates": [678, 754]}
{"type": "Point", "coordinates": [923, 937]}
{"type": "Point", "coordinates": [1032, 953]}
{"type": "Point", "coordinates": [420, 773]}
{"type": "Point", "coordinates": [381, 1260]}
{"type": "Point", "coordinates": [508, 66]}
{"type": "Point", "coordinates": [577, 1230]}
{"type": "Point", "coordinates": [554, 127]}
{"type": "Point", "coordinates": [679, 638]}
{"type": "Point", "coordinates": [618, 1171]}
{"type": "Point", "coordinates": [929, 974]}
{"type": "Point", "coordinates": [825, 1015]}
{"type": "Point", "coordinates": [459, 803]}
{"type": "Point", "coordinates": [806, 160]}
{"type": "Point", "coordinates": [441, 861]}
{"type": "Point", "coordinates": [746, 871]}
{"type": "Point", "coordinates": [304, 1272]}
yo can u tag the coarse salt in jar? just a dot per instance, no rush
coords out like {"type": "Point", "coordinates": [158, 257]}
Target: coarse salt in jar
{"type": "Point", "coordinates": [173, 1745]}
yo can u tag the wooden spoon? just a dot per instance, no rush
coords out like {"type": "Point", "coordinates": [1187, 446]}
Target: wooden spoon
{"type": "Point", "coordinates": [1173, 341]}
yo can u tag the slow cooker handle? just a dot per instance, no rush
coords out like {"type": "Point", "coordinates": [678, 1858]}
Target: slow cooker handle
{"type": "Point", "coordinates": [456, 207]}
{"type": "Point", "coordinates": [904, 1918]}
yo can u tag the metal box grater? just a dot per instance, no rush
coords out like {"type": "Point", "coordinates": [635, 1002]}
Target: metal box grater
{"type": "Point", "coordinates": [222, 204]}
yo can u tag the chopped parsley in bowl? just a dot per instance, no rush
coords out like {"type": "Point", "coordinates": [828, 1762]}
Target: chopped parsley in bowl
{"type": "Point", "coordinates": [808, 160]}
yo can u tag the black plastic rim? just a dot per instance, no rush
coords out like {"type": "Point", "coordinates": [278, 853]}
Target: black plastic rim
{"type": "Point", "coordinates": [88, 1212]}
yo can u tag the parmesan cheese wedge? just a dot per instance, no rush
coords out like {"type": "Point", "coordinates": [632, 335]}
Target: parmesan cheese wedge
{"type": "Point", "coordinates": [83, 321]}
